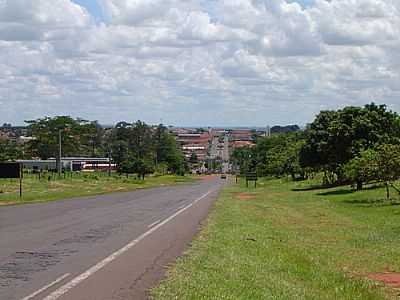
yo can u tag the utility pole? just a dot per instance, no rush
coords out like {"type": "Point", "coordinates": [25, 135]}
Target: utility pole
{"type": "Point", "coordinates": [59, 153]}
{"type": "Point", "coordinates": [109, 162]}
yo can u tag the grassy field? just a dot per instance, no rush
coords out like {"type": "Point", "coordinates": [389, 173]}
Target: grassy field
{"type": "Point", "coordinates": [286, 240]}
{"type": "Point", "coordinates": [35, 190]}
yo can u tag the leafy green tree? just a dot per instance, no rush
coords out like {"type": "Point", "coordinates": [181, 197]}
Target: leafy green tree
{"type": "Point", "coordinates": [141, 141]}
{"type": "Point", "coordinates": [363, 168]}
{"type": "Point", "coordinates": [161, 168]}
{"type": "Point", "coordinates": [126, 167]}
{"type": "Point", "coordinates": [388, 162]}
{"type": "Point", "coordinates": [381, 164]}
{"type": "Point", "coordinates": [177, 164]}
{"type": "Point", "coordinates": [316, 150]}
{"type": "Point", "coordinates": [46, 136]}
{"type": "Point", "coordinates": [167, 150]}
{"type": "Point", "coordinates": [193, 158]}
{"type": "Point", "coordinates": [147, 147]}
{"type": "Point", "coordinates": [119, 144]}
{"type": "Point", "coordinates": [245, 158]}
{"type": "Point", "coordinates": [10, 150]}
{"type": "Point", "coordinates": [278, 155]}
{"type": "Point", "coordinates": [92, 140]}
{"type": "Point", "coordinates": [336, 137]}
{"type": "Point", "coordinates": [143, 167]}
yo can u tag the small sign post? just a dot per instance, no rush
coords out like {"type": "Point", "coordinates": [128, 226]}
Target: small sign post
{"type": "Point", "coordinates": [12, 170]}
{"type": "Point", "coordinates": [251, 176]}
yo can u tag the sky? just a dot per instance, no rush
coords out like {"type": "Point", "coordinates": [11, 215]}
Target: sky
{"type": "Point", "coordinates": [196, 62]}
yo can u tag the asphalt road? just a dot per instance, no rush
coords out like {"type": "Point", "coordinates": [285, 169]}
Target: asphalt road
{"type": "Point", "coordinates": [105, 247]}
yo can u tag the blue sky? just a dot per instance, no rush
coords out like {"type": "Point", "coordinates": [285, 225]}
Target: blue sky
{"type": "Point", "coordinates": [92, 6]}
{"type": "Point", "coordinates": [304, 3]}
{"type": "Point", "coordinates": [95, 10]}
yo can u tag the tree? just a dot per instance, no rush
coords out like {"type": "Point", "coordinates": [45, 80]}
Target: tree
{"type": "Point", "coordinates": [10, 150]}
{"type": "Point", "coordinates": [388, 161]}
{"type": "Point", "coordinates": [381, 164]}
{"type": "Point", "coordinates": [316, 149]}
{"type": "Point", "coordinates": [363, 168]}
{"type": "Point", "coordinates": [147, 147]}
{"type": "Point", "coordinates": [46, 136]}
{"type": "Point", "coordinates": [119, 144]}
{"type": "Point", "coordinates": [336, 137]}
{"type": "Point", "coordinates": [278, 155]}
{"type": "Point", "coordinates": [143, 167]}
{"type": "Point", "coordinates": [167, 150]}
{"type": "Point", "coordinates": [193, 158]}
{"type": "Point", "coordinates": [92, 140]}
{"type": "Point", "coordinates": [141, 141]}
{"type": "Point", "coordinates": [245, 158]}
{"type": "Point", "coordinates": [126, 167]}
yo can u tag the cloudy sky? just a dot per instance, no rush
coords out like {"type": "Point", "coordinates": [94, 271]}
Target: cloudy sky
{"type": "Point", "coordinates": [196, 62]}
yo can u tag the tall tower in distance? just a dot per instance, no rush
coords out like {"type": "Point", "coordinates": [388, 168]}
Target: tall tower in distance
{"type": "Point", "coordinates": [268, 131]}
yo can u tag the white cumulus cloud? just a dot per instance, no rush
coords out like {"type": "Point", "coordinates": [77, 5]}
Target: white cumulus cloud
{"type": "Point", "coordinates": [197, 61]}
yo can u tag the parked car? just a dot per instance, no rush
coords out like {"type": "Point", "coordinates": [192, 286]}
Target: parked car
{"type": "Point", "coordinates": [223, 176]}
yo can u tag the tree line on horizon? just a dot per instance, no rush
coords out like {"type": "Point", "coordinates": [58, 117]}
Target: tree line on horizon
{"type": "Point", "coordinates": [134, 147]}
{"type": "Point", "coordinates": [352, 145]}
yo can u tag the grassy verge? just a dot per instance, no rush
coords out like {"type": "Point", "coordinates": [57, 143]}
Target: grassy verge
{"type": "Point", "coordinates": [43, 190]}
{"type": "Point", "coordinates": [283, 241]}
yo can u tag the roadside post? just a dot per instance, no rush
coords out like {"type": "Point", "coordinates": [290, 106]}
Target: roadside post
{"type": "Point", "coordinates": [12, 170]}
{"type": "Point", "coordinates": [109, 162]}
{"type": "Point", "coordinates": [251, 176]}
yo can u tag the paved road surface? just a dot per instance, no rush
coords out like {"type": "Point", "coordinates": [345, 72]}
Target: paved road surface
{"type": "Point", "coordinates": [105, 247]}
{"type": "Point", "coordinates": [226, 156]}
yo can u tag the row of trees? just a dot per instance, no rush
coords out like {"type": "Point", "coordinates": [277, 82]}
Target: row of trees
{"type": "Point", "coordinates": [353, 145]}
{"type": "Point", "coordinates": [139, 148]}
{"type": "Point", "coordinates": [78, 137]}
{"type": "Point", "coordinates": [134, 147]}
{"type": "Point", "coordinates": [277, 155]}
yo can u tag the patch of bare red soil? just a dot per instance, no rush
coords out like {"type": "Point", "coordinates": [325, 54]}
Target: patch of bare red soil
{"type": "Point", "coordinates": [388, 278]}
{"type": "Point", "coordinates": [245, 196]}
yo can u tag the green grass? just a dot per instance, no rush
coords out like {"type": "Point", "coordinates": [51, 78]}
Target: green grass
{"type": "Point", "coordinates": [280, 241]}
{"type": "Point", "coordinates": [35, 190]}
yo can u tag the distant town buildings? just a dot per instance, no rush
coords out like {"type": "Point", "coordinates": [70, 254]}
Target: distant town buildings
{"type": "Point", "coordinates": [193, 141]}
{"type": "Point", "coordinates": [242, 135]}
{"type": "Point", "coordinates": [14, 133]}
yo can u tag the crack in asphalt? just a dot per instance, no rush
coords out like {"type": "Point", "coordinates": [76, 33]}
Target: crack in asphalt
{"type": "Point", "coordinates": [23, 264]}
{"type": "Point", "coordinates": [20, 266]}
{"type": "Point", "coordinates": [90, 236]}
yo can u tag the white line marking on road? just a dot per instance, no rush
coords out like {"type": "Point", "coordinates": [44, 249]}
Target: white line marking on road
{"type": "Point", "coordinates": [180, 207]}
{"type": "Point", "coordinates": [74, 282]}
{"type": "Point", "coordinates": [33, 295]}
{"type": "Point", "coordinates": [153, 224]}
